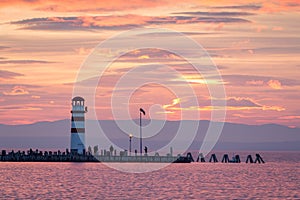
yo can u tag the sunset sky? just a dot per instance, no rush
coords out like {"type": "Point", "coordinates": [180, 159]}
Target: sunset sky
{"type": "Point", "coordinates": [254, 44]}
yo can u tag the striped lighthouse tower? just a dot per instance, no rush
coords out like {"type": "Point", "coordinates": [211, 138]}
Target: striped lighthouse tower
{"type": "Point", "coordinates": [78, 125]}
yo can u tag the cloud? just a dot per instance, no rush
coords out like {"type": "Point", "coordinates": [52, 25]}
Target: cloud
{"type": "Point", "coordinates": [277, 28]}
{"type": "Point", "coordinates": [240, 7]}
{"type": "Point", "coordinates": [18, 108]}
{"type": "Point", "coordinates": [174, 102]}
{"type": "Point", "coordinates": [277, 50]}
{"type": "Point", "coordinates": [168, 34]}
{"type": "Point", "coordinates": [253, 79]}
{"type": "Point", "coordinates": [188, 68]}
{"type": "Point", "coordinates": [216, 14]}
{"type": "Point", "coordinates": [91, 6]}
{"type": "Point", "coordinates": [144, 57]}
{"type": "Point", "coordinates": [35, 97]}
{"type": "Point", "coordinates": [3, 47]}
{"type": "Point", "coordinates": [116, 22]}
{"type": "Point", "coordinates": [195, 19]}
{"type": "Point", "coordinates": [232, 104]}
{"type": "Point", "coordinates": [149, 55]}
{"type": "Point", "coordinates": [81, 23]}
{"type": "Point", "coordinates": [275, 84]}
{"type": "Point", "coordinates": [241, 102]}
{"type": "Point", "coordinates": [8, 74]}
{"type": "Point", "coordinates": [290, 117]}
{"type": "Point", "coordinates": [83, 51]}
{"type": "Point", "coordinates": [24, 62]}
{"type": "Point", "coordinates": [163, 56]}
{"type": "Point", "coordinates": [257, 82]}
{"type": "Point", "coordinates": [17, 90]}
{"type": "Point", "coordinates": [8, 86]}
{"type": "Point", "coordinates": [280, 6]}
{"type": "Point", "coordinates": [82, 6]}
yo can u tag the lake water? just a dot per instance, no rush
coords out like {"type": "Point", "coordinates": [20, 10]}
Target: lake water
{"type": "Point", "coordinates": [279, 178]}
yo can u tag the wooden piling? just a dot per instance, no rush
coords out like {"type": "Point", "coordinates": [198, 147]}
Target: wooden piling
{"type": "Point", "coordinates": [200, 158]}
{"type": "Point", "coordinates": [225, 158]}
{"type": "Point", "coordinates": [249, 158]}
{"type": "Point", "coordinates": [213, 158]}
{"type": "Point", "coordinates": [237, 159]}
{"type": "Point", "coordinates": [258, 159]}
{"type": "Point", "coordinates": [190, 157]}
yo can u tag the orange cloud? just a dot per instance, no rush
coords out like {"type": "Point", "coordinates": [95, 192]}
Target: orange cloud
{"type": "Point", "coordinates": [280, 6]}
{"type": "Point", "coordinates": [275, 84]}
{"type": "Point", "coordinates": [88, 21]}
{"type": "Point", "coordinates": [91, 6]}
{"type": "Point", "coordinates": [290, 117]}
{"type": "Point", "coordinates": [260, 28]}
{"type": "Point", "coordinates": [231, 108]}
{"type": "Point", "coordinates": [255, 82]}
{"type": "Point", "coordinates": [233, 104]}
{"type": "Point", "coordinates": [82, 51]}
{"type": "Point", "coordinates": [174, 102]}
{"type": "Point", "coordinates": [277, 28]}
{"type": "Point", "coordinates": [21, 108]}
{"type": "Point", "coordinates": [17, 90]}
{"type": "Point", "coordinates": [219, 26]}
{"type": "Point", "coordinates": [120, 5]}
{"type": "Point", "coordinates": [144, 57]}
{"type": "Point", "coordinates": [35, 97]}
{"type": "Point", "coordinates": [250, 51]}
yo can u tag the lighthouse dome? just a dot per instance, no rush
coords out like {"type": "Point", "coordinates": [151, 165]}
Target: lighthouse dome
{"type": "Point", "coordinates": [78, 99]}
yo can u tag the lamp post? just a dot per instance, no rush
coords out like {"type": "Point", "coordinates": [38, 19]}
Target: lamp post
{"type": "Point", "coordinates": [130, 137]}
{"type": "Point", "coordinates": [141, 139]}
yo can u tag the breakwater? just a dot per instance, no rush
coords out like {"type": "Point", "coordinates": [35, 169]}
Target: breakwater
{"type": "Point", "coordinates": [58, 156]}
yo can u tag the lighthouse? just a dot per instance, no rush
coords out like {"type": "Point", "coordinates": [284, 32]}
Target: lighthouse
{"type": "Point", "coordinates": [78, 125]}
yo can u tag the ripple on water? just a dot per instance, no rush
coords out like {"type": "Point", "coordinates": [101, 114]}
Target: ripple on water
{"type": "Point", "coordinates": [181, 181]}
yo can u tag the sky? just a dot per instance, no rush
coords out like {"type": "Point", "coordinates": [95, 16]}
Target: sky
{"type": "Point", "coordinates": [254, 44]}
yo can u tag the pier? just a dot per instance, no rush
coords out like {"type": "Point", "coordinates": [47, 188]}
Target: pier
{"type": "Point", "coordinates": [112, 156]}
{"type": "Point", "coordinates": [67, 156]}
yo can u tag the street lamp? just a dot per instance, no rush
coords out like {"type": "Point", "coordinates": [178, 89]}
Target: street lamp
{"type": "Point", "coordinates": [141, 138]}
{"type": "Point", "coordinates": [130, 137]}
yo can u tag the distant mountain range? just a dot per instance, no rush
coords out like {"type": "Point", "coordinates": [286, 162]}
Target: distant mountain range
{"type": "Point", "coordinates": [56, 135]}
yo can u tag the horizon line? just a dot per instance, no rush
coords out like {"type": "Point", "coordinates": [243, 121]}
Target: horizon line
{"type": "Point", "coordinates": [36, 122]}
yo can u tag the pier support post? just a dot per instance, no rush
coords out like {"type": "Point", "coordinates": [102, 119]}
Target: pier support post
{"type": "Point", "coordinates": [258, 159]}
{"type": "Point", "coordinates": [200, 158]}
{"type": "Point", "coordinates": [213, 158]}
{"type": "Point", "coordinates": [237, 159]}
{"type": "Point", "coordinates": [225, 158]}
{"type": "Point", "coordinates": [249, 159]}
{"type": "Point", "coordinates": [190, 157]}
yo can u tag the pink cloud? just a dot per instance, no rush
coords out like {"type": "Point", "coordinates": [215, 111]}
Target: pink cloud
{"type": "Point", "coordinates": [17, 90]}
{"type": "Point", "coordinates": [120, 5]}
{"type": "Point", "coordinates": [82, 51]}
{"type": "Point", "coordinates": [277, 28]}
{"type": "Point", "coordinates": [290, 117]}
{"type": "Point", "coordinates": [253, 82]}
{"type": "Point", "coordinates": [84, 6]}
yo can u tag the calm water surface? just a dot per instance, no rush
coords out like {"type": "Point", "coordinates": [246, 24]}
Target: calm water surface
{"type": "Point", "coordinates": [279, 178]}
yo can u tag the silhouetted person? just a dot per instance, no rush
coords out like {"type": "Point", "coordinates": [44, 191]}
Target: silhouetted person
{"type": "Point", "coordinates": [135, 152]}
{"type": "Point", "coordinates": [146, 149]}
